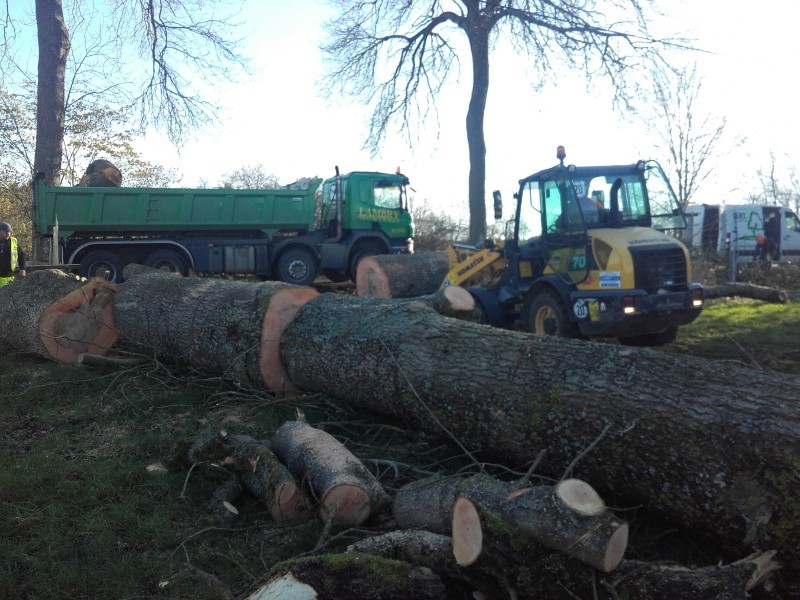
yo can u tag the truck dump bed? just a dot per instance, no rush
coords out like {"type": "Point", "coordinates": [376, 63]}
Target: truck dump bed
{"type": "Point", "coordinates": [118, 210]}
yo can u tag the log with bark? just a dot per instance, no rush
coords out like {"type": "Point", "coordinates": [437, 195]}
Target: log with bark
{"type": "Point", "coordinates": [401, 275]}
{"type": "Point", "coordinates": [256, 469]}
{"type": "Point", "coordinates": [524, 571]}
{"type": "Point", "coordinates": [712, 448]}
{"type": "Point", "coordinates": [746, 290]}
{"type": "Point", "coordinates": [22, 303]}
{"type": "Point", "coordinates": [231, 328]}
{"type": "Point", "coordinates": [344, 487]}
{"type": "Point", "coordinates": [569, 516]}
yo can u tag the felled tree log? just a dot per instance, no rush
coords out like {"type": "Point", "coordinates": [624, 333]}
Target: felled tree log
{"type": "Point", "coordinates": [568, 516]}
{"type": "Point", "coordinates": [341, 483]}
{"type": "Point", "coordinates": [22, 303]}
{"type": "Point", "coordinates": [80, 323]}
{"type": "Point", "coordinates": [226, 327]}
{"type": "Point", "coordinates": [401, 275]}
{"type": "Point", "coordinates": [524, 572]}
{"type": "Point", "coordinates": [710, 447]}
{"type": "Point", "coordinates": [256, 467]}
{"type": "Point", "coordinates": [350, 577]}
{"type": "Point", "coordinates": [747, 290]}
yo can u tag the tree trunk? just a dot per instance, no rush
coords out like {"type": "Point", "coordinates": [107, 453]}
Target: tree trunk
{"type": "Point", "coordinates": [22, 303]}
{"type": "Point", "coordinates": [338, 479]}
{"type": "Point", "coordinates": [401, 275]}
{"type": "Point", "coordinates": [747, 290]}
{"type": "Point", "coordinates": [713, 448]}
{"type": "Point", "coordinates": [53, 50]}
{"type": "Point", "coordinates": [524, 572]}
{"type": "Point", "coordinates": [227, 327]}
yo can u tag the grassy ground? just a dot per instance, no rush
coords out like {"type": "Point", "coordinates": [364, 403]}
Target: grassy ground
{"type": "Point", "coordinates": [80, 517]}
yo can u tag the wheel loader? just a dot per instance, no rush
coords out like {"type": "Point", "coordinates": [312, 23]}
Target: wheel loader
{"type": "Point", "coordinates": [585, 255]}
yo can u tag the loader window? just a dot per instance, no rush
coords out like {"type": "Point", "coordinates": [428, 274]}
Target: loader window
{"type": "Point", "coordinates": [530, 219]}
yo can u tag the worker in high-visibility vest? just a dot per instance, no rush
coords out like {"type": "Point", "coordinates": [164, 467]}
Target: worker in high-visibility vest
{"type": "Point", "coordinates": [12, 259]}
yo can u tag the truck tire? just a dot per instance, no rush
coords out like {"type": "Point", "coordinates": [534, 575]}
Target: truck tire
{"type": "Point", "coordinates": [297, 266]}
{"type": "Point", "coordinates": [545, 314]}
{"type": "Point", "coordinates": [653, 339]}
{"type": "Point", "coordinates": [102, 263]}
{"type": "Point", "coordinates": [167, 260]}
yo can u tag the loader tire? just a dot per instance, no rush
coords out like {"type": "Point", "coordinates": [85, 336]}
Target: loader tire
{"type": "Point", "coordinates": [546, 315]}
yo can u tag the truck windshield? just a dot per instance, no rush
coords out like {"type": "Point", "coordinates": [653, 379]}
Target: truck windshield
{"type": "Point", "coordinates": [388, 194]}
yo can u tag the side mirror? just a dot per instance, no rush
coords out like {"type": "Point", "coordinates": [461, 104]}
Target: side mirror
{"type": "Point", "coordinates": [498, 205]}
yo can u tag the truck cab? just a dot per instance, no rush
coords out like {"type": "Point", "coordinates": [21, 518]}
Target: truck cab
{"type": "Point", "coordinates": [585, 258]}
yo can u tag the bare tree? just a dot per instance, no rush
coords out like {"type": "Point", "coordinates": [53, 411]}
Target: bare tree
{"type": "Point", "coordinates": [689, 138]}
{"type": "Point", "coordinates": [775, 190]}
{"type": "Point", "coordinates": [54, 47]}
{"type": "Point", "coordinates": [398, 56]}
{"type": "Point", "coordinates": [181, 45]}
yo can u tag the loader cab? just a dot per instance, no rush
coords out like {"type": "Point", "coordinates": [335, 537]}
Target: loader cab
{"type": "Point", "coordinates": [559, 209]}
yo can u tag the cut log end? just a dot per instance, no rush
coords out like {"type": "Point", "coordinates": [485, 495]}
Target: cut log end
{"type": "Point", "coordinates": [289, 503]}
{"type": "Point", "coordinates": [351, 504]}
{"type": "Point", "coordinates": [371, 279]}
{"type": "Point", "coordinates": [467, 532]}
{"type": "Point", "coordinates": [459, 298]}
{"type": "Point", "coordinates": [615, 550]}
{"type": "Point", "coordinates": [81, 322]}
{"type": "Point", "coordinates": [580, 497]}
{"type": "Point", "coordinates": [283, 307]}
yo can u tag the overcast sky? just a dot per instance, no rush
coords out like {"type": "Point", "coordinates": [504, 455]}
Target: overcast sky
{"type": "Point", "coordinates": [277, 117]}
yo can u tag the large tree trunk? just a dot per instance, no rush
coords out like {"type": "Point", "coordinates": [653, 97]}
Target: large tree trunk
{"type": "Point", "coordinates": [712, 447]}
{"type": "Point", "coordinates": [53, 50]}
{"type": "Point", "coordinates": [747, 290]}
{"type": "Point", "coordinates": [22, 303]}
{"type": "Point", "coordinates": [225, 327]}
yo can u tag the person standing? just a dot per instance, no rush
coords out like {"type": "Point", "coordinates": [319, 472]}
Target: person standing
{"type": "Point", "coordinates": [12, 259]}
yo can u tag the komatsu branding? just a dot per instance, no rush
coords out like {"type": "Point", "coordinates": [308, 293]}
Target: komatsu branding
{"type": "Point", "coordinates": [384, 215]}
{"type": "Point", "coordinates": [478, 260]}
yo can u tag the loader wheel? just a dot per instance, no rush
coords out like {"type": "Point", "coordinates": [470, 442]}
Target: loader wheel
{"type": "Point", "coordinates": [547, 315]}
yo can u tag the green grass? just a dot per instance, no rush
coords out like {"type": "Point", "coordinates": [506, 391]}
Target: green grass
{"type": "Point", "coordinates": [756, 334]}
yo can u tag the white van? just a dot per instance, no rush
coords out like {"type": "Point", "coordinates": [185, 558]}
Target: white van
{"type": "Point", "coordinates": [741, 224]}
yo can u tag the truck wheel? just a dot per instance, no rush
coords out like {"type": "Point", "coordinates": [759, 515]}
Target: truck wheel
{"type": "Point", "coordinates": [102, 263]}
{"type": "Point", "coordinates": [547, 315]}
{"type": "Point", "coordinates": [167, 260]}
{"type": "Point", "coordinates": [297, 266]}
{"type": "Point", "coordinates": [653, 339]}
{"type": "Point", "coordinates": [359, 254]}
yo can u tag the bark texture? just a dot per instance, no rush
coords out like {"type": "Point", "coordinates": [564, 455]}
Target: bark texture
{"type": "Point", "coordinates": [341, 483]}
{"type": "Point", "coordinates": [226, 327]}
{"type": "Point", "coordinates": [401, 275]}
{"type": "Point", "coordinates": [747, 290]}
{"type": "Point", "coordinates": [22, 303]}
{"type": "Point", "coordinates": [713, 448]}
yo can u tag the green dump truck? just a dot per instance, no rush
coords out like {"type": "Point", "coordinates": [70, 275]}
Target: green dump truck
{"type": "Point", "coordinates": [289, 234]}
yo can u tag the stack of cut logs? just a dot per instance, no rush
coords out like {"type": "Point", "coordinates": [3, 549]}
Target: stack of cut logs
{"type": "Point", "coordinates": [711, 448]}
